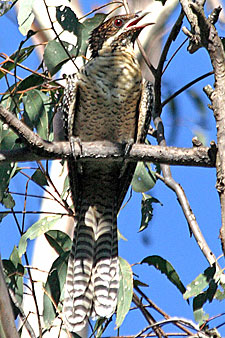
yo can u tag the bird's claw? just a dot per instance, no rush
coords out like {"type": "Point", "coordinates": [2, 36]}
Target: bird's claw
{"type": "Point", "coordinates": [73, 141]}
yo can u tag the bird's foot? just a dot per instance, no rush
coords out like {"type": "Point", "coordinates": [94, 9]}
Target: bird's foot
{"type": "Point", "coordinates": [73, 142]}
{"type": "Point", "coordinates": [127, 148]}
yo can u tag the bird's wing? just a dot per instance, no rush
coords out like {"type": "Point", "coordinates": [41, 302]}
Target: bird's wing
{"type": "Point", "coordinates": [144, 113]}
{"type": "Point", "coordinates": [68, 110]}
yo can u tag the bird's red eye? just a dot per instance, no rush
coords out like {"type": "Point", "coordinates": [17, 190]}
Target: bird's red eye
{"type": "Point", "coordinates": [118, 23]}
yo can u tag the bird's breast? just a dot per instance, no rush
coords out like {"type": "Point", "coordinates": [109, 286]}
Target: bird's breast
{"type": "Point", "coordinates": [109, 93]}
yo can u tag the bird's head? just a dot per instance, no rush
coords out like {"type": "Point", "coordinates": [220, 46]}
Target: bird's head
{"type": "Point", "coordinates": [116, 33]}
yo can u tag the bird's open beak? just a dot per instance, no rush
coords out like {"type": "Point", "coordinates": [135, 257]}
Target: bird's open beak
{"type": "Point", "coordinates": [138, 18]}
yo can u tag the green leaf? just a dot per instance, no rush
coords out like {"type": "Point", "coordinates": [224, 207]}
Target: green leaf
{"type": "Point", "coordinates": [146, 210]}
{"type": "Point", "coordinates": [19, 56]}
{"type": "Point", "coordinates": [8, 170]}
{"type": "Point", "coordinates": [14, 272]}
{"type": "Point", "coordinates": [199, 314]}
{"type": "Point", "coordinates": [39, 177]}
{"type": "Point", "coordinates": [2, 215]}
{"type": "Point", "coordinates": [125, 293]}
{"type": "Point", "coordinates": [220, 294]}
{"type": "Point", "coordinates": [7, 138]}
{"type": "Point", "coordinates": [200, 282]}
{"type": "Point", "coordinates": [32, 80]}
{"type": "Point", "coordinates": [6, 173]}
{"type": "Point", "coordinates": [38, 110]}
{"type": "Point", "coordinates": [55, 55]}
{"type": "Point", "coordinates": [25, 16]}
{"type": "Point", "coordinates": [40, 227]}
{"type": "Point", "coordinates": [143, 180]}
{"type": "Point", "coordinates": [54, 287]}
{"type": "Point", "coordinates": [68, 20]}
{"type": "Point", "coordinates": [59, 241]}
{"type": "Point", "coordinates": [8, 201]}
{"type": "Point", "coordinates": [99, 328]}
{"type": "Point", "coordinates": [208, 295]}
{"type": "Point", "coordinates": [139, 283]}
{"type": "Point", "coordinates": [66, 187]}
{"type": "Point", "coordinates": [166, 268]}
{"type": "Point", "coordinates": [88, 26]}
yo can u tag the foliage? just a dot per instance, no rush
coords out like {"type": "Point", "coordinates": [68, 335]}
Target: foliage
{"type": "Point", "coordinates": [34, 100]}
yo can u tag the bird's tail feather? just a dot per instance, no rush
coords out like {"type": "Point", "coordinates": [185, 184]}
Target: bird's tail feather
{"type": "Point", "coordinates": [93, 270]}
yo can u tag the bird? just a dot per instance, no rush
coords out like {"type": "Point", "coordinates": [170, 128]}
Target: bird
{"type": "Point", "coordinates": [107, 100]}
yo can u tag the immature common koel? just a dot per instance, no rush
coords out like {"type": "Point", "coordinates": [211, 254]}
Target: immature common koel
{"type": "Point", "coordinates": [107, 100]}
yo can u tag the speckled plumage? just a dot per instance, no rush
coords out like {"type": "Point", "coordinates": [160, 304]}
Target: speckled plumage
{"type": "Point", "coordinates": [107, 100]}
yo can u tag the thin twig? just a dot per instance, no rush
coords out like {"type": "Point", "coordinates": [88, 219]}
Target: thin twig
{"type": "Point", "coordinates": [188, 85]}
{"type": "Point", "coordinates": [150, 319]}
{"type": "Point", "coordinates": [174, 54]}
{"type": "Point", "coordinates": [103, 6]}
{"type": "Point", "coordinates": [58, 37]}
{"type": "Point", "coordinates": [160, 311]}
{"type": "Point", "coordinates": [31, 280]}
{"type": "Point", "coordinates": [189, 215]}
{"type": "Point", "coordinates": [6, 212]}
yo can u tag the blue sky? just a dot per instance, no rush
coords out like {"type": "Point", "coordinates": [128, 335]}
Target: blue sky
{"type": "Point", "coordinates": [167, 234]}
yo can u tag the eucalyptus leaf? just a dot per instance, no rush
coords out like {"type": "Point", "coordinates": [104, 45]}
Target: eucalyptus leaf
{"type": "Point", "coordinates": [25, 16]}
{"type": "Point", "coordinates": [88, 26]}
{"type": "Point", "coordinates": [39, 177]}
{"type": "Point", "coordinates": [66, 187]}
{"type": "Point", "coordinates": [220, 294]}
{"type": "Point", "coordinates": [14, 272]}
{"type": "Point", "coordinates": [99, 327]}
{"type": "Point", "coordinates": [139, 283]}
{"type": "Point", "coordinates": [8, 201]}
{"type": "Point", "coordinates": [6, 173]}
{"type": "Point", "coordinates": [142, 180]}
{"type": "Point", "coordinates": [54, 287]}
{"type": "Point", "coordinates": [199, 313]}
{"type": "Point", "coordinates": [55, 55]}
{"type": "Point", "coordinates": [125, 293]}
{"type": "Point", "coordinates": [19, 56]}
{"type": "Point", "coordinates": [59, 241]}
{"type": "Point", "coordinates": [38, 110]}
{"type": "Point", "coordinates": [68, 20]}
{"type": "Point", "coordinates": [30, 81]}
{"type": "Point", "coordinates": [146, 210]}
{"type": "Point", "coordinates": [40, 227]}
{"type": "Point", "coordinates": [200, 282]}
{"type": "Point", "coordinates": [166, 268]}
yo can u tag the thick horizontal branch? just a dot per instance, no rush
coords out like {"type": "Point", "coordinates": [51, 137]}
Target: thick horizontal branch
{"type": "Point", "coordinates": [199, 156]}
{"type": "Point", "coordinates": [38, 149]}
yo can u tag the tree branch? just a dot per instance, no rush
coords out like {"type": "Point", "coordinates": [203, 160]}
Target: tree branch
{"type": "Point", "coordinates": [22, 315]}
{"type": "Point", "coordinates": [168, 179]}
{"type": "Point", "coordinates": [210, 40]}
{"type": "Point", "coordinates": [7, 323]}
{"type": "Point", "coordinates": [38, 149]}
{"type": "Point", "coordinates": [197, 157]}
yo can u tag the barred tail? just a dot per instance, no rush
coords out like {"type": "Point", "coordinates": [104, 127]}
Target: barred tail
{"type": "Point", "coordinates": [93, 274]}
